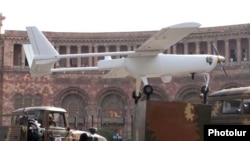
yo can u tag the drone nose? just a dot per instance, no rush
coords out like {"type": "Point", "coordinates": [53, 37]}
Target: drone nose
{"type": "Point", "coordinates": [220, 59]}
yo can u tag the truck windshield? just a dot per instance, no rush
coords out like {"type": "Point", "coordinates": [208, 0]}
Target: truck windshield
{"type": "Point", "coordinates": [56, 119]}
{"type": "Point", "coordinates": [236, 106]}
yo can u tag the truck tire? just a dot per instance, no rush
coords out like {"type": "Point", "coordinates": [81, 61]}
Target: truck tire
{"type": "Point", "coordinates": [84, 137]}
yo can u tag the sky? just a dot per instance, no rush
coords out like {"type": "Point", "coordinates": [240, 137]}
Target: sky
{"type": "Point", "coordinates": [120, 15]}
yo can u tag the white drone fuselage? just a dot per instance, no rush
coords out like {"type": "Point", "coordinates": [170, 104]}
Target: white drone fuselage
{"type": "Point", "coordinates": [161, 65]}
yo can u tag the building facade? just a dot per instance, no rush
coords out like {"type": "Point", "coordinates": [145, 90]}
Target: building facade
{"type": "Point", "coordinates": [107, 103]}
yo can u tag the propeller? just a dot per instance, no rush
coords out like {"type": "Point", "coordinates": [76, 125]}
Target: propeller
{"type": "Point", "coordinates": [217, 53]}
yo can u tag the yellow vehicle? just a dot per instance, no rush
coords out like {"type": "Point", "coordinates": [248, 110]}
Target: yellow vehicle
{"type": "Point", "coordinates": [230, 106]}
{"type": "Point", "coordinates": [43, 124]}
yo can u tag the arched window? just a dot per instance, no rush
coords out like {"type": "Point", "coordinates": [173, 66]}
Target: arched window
{"type": "Point", "coordinates": [27, 100]}
{"type": "Point", "coordinates": [112, 103]}
{"type": "Point", "coordinates": [190, 93]}
{"type": "Point", "coordinates": [74, 105]}
{"type": "Point", "coordinates": [18, 101]}
{"type": "Point", "coordinates": [37, 100]}
{"type": "Point", "coordinates": [112, 106]}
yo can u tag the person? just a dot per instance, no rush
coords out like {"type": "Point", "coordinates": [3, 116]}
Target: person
{"type": "Point", "coordinates": [35, 133]}
{"type": "Point", "coordinates": [23, 120]}
{"type": "Point", "coordinates": [51, 121]}
{"type": "Point", "coordinates": [246, 108]}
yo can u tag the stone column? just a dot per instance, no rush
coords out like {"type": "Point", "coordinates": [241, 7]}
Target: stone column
{"type": "Point", "coordinates": [227, 56]}
{"type": "Point", "coordinates": [95, 51]}
{"type": "Point", "coordinates": [23, 58]}
{"type": "Point", "coordinates": [129, 47]}
{"type": "Point", "coordinates": [106, 48]}
{"type": "Point", "coordinates": [90, 58]}
{"type": "Point", "coordinates": [8, 51]}
{"type": "Point", "coordinates": [117, 50]}
{"type": "Point", "coordinates": [197, 47]}
{"type": "Point", "coordinates": [238, 49]}
{"type": "Point", "coordinates": [185, 45]}
{"type": "Point", "coordinates": [209, 47]}
{"type": "Point", "coordinates": [174, 49]}
{"type": "Point", "coordinates": [79, 51]}
{"type": "Point", "coordinates": [67, 59]}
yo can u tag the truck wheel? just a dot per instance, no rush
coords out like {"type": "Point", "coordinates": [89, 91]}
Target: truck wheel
{"type": "Point", "coordinates": [84, 137]}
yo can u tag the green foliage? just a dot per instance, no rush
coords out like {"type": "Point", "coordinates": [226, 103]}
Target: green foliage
{"type": "Point", "coordinates": [108, 134]}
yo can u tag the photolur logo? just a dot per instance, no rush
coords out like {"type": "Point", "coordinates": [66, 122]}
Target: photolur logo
{"type": "Point", "coordinates": [215, 132]}
{"type": "Point", "coordinates": [223, 132]}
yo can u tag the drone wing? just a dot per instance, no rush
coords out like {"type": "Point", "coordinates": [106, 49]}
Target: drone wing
{"type": "Point", "coordinates": [164, 39]}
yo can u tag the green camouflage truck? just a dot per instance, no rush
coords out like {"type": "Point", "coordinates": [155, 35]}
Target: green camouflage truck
{"type": "Point", "coordinates": [230, 106]}
{"type": "Point", "coordinates": [43, 124]}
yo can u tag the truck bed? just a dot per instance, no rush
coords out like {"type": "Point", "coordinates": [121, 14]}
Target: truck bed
{"type": "Point", "coordinates": [13, 133]}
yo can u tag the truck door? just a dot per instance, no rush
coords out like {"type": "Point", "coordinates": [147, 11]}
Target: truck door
{"type": "Point", "coordinates": [56, 125]}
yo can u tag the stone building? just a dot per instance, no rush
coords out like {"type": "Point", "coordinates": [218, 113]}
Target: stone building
{"type": "Point", "coordinates": [107, 103]}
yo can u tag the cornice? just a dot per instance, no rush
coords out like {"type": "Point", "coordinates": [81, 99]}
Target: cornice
{"type": "Point", "coordinates": [242, 30]}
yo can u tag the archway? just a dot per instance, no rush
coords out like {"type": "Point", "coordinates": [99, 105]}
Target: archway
{"type": "Point", "coordinates": [113, 103]}
{"type": "Point", "coordinates": [190, 93]}
{"type": "Point", "coordinates": [74, 100]}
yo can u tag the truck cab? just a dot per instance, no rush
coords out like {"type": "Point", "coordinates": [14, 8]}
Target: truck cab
{"type": "Point", "coordinates": [230, 106]}
{"type": "Point", "coordinates": [43, 123]}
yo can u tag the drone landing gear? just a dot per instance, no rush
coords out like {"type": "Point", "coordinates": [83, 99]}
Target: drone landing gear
{"type": "Point", "coordinates": [147, 89]}
{"type": "Point", "coordinates": [136, 96]}
{"type": "Point", "coordinates": [205, 89]}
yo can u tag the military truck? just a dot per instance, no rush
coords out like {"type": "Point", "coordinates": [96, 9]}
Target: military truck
{"type": "Point", "coordinates": [43, 123]}
{"type": "Point", "coordinates": [178, 121]}
{"type": "Point", "coordinates": [230, 106]}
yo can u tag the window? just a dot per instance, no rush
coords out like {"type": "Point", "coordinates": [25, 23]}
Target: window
{"type": "Point", "coordinates": [57, 119]}
{"type": "Point", "coordinates": [37, 100]}
{"type": "Point", "coordinates": [232, 56]}
{"type": "Point", "coordinates": [17, 56]}
{"type": "Point", "coordinates": [244, 55]}
{"type": "Point", "coordinates": [26, 100]}
{"type": "Point", "coordinates": [112, 110]}
{"type": "Point", "coordinates": [85, 60]}
{"type": "Point", "coordinates": [18, 101]}
{"type": "Point", "coordinates": [20, 120]}
{"type": "Point", "coordinates": [231, 107]}
{"type": "Point", "coordinates": [73, 61]}
{"type": "Point", "coordinates": [246, 106]}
